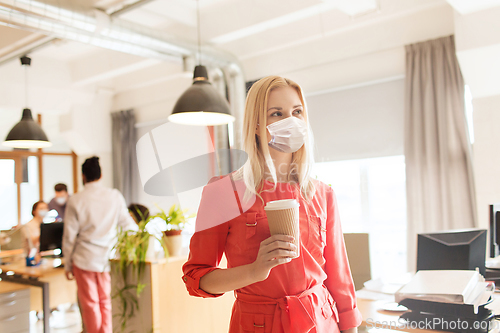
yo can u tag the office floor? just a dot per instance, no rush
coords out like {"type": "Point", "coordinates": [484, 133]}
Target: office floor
{"type": "Point", "coordinates": [65, 321]}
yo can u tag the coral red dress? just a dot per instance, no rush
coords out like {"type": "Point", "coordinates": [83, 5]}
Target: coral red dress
{"type": "Point", "coordinates": [312, 293]}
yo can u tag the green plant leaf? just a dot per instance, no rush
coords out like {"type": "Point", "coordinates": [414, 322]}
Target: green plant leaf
{"type": "Point", "coordinates": [131, 248]}
{"type": "Point", "coordinates": [176, 219]}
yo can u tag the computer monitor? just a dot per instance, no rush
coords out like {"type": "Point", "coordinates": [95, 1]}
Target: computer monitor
{"type": "Point", "coordinates": [454, 249]}
{"type": "Point", "coordinates": [51, 235]}
{"type": "Point", "coordinates": [494, 230]}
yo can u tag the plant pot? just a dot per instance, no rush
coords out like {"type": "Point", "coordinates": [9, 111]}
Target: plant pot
{"type": "Point", "coordinates": [172, 232]}
{"type": "Point", "coordinates": [173, 241]}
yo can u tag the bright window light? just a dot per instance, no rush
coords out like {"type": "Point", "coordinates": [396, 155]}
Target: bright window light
{"type": "Point", "coordinates": [371, 194]}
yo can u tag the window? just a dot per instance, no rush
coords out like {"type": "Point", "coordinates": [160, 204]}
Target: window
{"type": "Point", "coordinates": [19, 189]}
{"type": "Point", "coordinates": [30, 191]}
{"type": "Point", "coordinates": [23, 174]}
{"type": "Point", "coordinates": [8, 194]}
{"type": "Point", "coordinates": [371, 195]}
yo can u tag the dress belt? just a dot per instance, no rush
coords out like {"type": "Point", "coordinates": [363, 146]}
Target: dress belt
{"type": "Point", "coordinates": [290, 308]}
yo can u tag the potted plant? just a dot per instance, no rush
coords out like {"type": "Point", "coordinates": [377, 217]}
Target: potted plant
{"type": "Point", "coordinates": [176, 221]}
{"type": "Point", "coordinates": [131, 251]}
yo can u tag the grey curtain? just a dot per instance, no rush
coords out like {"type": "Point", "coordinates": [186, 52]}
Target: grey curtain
{"type": "Point", "coordinates": [124, 139]}
{"type": "Point", "coordinates": [439, 175]}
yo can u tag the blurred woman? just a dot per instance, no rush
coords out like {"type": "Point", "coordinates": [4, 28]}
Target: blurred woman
{"type": "Point", "coordinates": [31, 230]}
{"type": "Point", "coordinates": [138, 212]}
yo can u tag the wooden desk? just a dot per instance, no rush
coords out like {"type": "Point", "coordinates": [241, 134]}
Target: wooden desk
{"type": "Point", "coordinates": [375, 319]}
{"type": "Point", "coordinates": [10, 253]}
{"type": "Point", "coordinates": [373, 316]}
{"type": "Point", "coordinates": [40, 278]}
{"type": "Point", "coordinates": [165, 305]}
{"type": "Point", "coordinates": [9, 287]}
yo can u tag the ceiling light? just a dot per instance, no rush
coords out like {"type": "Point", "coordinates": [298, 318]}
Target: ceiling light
{"type": "Point", "coordinates": [27, 133]}
{"type": "Point", "coordinates": [201, 104]}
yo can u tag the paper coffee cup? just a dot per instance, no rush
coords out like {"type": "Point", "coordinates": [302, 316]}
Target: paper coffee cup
{"type": "Point", "coordinates": [283, 219]}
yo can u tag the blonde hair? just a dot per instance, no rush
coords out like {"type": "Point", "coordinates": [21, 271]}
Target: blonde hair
{"type": "Point", "coordinates": [258, 154]}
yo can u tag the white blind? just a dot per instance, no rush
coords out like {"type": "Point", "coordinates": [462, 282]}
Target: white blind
{"type": "Point", "coordinates": [361, 122]}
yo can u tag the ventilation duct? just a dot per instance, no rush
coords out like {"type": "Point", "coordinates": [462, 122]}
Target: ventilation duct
{"type": "Point", "coordinates": [97, 28]}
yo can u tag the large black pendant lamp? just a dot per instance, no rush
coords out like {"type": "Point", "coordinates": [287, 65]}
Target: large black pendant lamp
{"type": "Point", "coordinates": [201, 104]}
{"type": "Point", "coordinates": [27, 133]}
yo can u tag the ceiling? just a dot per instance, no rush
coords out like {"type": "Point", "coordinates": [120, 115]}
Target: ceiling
{"type": "Point", "coordinates": [251, 30]}
{"type": "Point", "coordinates": [243, 28]}
{"type": "Point", "coordinates": [246, 29]}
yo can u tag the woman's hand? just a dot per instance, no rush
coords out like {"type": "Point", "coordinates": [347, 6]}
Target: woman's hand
{"type": "Point", "coordinates": [274, 251]}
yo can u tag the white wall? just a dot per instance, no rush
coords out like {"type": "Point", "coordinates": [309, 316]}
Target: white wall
{"type": "Point", "coordinates": [152, 102]}
{"type": "Point", "coordinates": [87, 130]}
{"type": "Point", "coordinates": [369, 52]}
{"type": "Point", "coordinates": [478, 50]}
{"type": "Point", "coordinates": [486, 150]}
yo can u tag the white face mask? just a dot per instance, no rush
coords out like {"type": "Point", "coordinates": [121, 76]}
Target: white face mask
{"type": "Point", "coordinates": [42, 212]}
{"type": "Point", "coordinates": [61, 200]}
{"type": "Point", "coordinates": [287, 135]}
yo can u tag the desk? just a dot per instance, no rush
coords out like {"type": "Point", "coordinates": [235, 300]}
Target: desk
{"type": "Point", "coordinates": [165, 305]}
{"type": "Point", "coordinates": [42, 276]}
{"type": "Point", "coordinates": [10, 253]}
{"type": "Point", "coordinates": [373, 316]}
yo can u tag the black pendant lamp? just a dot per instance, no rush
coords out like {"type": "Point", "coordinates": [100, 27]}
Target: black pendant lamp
{"type": "Point", "coordinates": [27, 133]}
{"type": "Point", "coordinates": [201, 104]}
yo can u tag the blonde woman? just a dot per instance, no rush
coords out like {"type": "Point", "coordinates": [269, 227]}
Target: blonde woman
{"type": "Point", "coordinates": [275, 290]}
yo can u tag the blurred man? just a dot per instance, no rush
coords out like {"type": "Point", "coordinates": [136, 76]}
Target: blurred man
{"type": "Point", "coordinates": [59, 201]}
{"type": "Point", "coordinates": [90, 228]}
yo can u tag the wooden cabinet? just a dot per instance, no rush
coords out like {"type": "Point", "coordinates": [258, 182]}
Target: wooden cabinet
{"type": "Point", "coordinates": [165, 305]}
{"type": "Point", "coordinates": [14, 308]}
